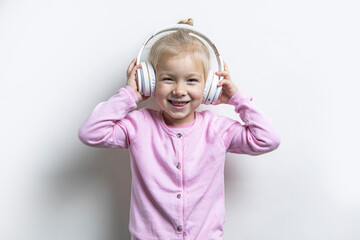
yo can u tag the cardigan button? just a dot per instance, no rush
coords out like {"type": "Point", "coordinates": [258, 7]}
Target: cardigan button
{"type": "Point", "coordinates": [178, 166]}
{"type": "Point", "coordinates": [179, 195]}
{"type": "Point", "coordinates": [179, 135]}
{"type": "Point", "coordinates": [179, 228]}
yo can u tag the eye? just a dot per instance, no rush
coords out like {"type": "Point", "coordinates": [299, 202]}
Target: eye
{"type": "Point", "coordinates": [192, 80]}
{"type": "Point", "coordinates": [167, 79]}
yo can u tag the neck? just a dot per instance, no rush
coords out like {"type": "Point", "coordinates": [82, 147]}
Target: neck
{"type": "Point", "coordinates": [178, 122]}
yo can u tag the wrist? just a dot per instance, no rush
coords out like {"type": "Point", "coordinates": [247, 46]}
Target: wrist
{"type": "Point", "coordinates": [133, 93]}
{"type": "Point", "coordinates": [236, 98]}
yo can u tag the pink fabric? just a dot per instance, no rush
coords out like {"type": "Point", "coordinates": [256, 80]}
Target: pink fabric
{"type": "Point", "coordinates": [185, 126]}
{"type": "Point", "coordinates": [177, 189]}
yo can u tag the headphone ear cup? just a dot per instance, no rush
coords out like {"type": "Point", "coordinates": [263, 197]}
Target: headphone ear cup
{"type": "Point", "coordinates": [147, 79]}
{"type": "Point", "coordinates": [140, 80]}
{"type": "Point", "coordinates": [218, 90]}
{"type": "Point", "coordinates": [208, 82]}
{"type": "Point", "coordinates": [211, 90]}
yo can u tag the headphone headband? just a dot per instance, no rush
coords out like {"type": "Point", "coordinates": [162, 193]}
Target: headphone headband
{"type": "Point", "coordinates": [192, 30]}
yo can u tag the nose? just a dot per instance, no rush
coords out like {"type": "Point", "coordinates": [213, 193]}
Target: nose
{"type": "Point", "coordinates": [179, 90]}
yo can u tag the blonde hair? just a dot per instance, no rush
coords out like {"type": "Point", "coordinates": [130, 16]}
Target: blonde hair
{"type": "Point", "coordinates": [178, 43]}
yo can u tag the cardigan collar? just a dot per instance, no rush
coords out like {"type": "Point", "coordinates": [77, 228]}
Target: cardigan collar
{"type": "Point", "coordinates": [184, 131]}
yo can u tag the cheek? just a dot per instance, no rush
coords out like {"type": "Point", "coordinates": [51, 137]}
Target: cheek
{"type": "Point", "coordinates": [161, 91]}
{"type": "Point", "coordinates": [198, 92]}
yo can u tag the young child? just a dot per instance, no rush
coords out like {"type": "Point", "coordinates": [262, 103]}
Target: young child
{"type": "Point", "coordinates": [178, 154]}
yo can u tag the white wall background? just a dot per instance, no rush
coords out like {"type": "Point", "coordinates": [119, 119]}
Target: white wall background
{"type": "Point", "coordinates": [298, 59]}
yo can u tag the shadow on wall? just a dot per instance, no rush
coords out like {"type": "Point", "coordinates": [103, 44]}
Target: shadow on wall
{"type": "Point", "coordinates": [94, 184]}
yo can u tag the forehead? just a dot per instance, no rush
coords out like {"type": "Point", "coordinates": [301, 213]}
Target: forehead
{"type": "Point", "coordinates": [181, 63]}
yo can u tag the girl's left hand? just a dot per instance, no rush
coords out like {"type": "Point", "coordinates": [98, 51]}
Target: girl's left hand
{"type": "Point", "coordinates": [228, 87]}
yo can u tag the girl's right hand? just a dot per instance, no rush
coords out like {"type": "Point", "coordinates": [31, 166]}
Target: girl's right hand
{"type": "Point", "coordinates": [131, 79]}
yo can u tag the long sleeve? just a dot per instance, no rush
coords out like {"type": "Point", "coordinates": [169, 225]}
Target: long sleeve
{"type": "Point", "coordinates": [257, 135]}
{"type": "Point", "coordinates": [109, 125]}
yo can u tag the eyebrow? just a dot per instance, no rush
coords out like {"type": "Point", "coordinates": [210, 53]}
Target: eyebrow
{"type": "Point", "coordinates": [187, 75]}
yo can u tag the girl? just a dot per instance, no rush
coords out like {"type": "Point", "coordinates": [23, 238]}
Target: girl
{"type": "Point", "coordinates": [178, 154]}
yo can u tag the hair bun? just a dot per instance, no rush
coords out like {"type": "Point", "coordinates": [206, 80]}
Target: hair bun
{"type": "Point", "coordinates": [190, 22]}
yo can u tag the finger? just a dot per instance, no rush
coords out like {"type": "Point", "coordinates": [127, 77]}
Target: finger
{"type": "Point", "coordinates": [223, 82]}
{"type": "Point", "coordinates": [226, 67]}
{"type": "Point", "coordinates": [131, 66]}
{"type": "Point", "coordinates": [137, 66]}
{"type": "Point", "coordinates": [222, 73]}
{"type": "Point", "coordinates": [134, 70]}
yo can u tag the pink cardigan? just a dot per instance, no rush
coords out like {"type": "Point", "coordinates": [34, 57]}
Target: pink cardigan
{"type": "Point", "coordinates": [177, 189]}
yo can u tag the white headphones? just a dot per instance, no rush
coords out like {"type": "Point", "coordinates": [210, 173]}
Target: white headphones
{"type": "Point", "coordinates": [146, 79]}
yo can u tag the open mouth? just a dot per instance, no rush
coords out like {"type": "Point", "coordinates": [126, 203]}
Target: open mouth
{"type": "Point", "coordinates": [178, 104]}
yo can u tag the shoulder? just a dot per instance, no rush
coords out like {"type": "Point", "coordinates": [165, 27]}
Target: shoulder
{"type": "Point", "coordinates": [216, 122]}
{"type": "Point", "coordinates": [139, 121]}
{"type": "Point", "coordinates": [211, 117]}
{"type": "Point", "coordinates": [143, 115]}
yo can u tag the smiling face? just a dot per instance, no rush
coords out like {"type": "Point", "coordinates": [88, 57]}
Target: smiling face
{"type": "Point", "coordinates": [179, 89]}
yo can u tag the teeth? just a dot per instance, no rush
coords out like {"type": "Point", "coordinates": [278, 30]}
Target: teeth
{"type": "Point", "coordinates": [178, 103]}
